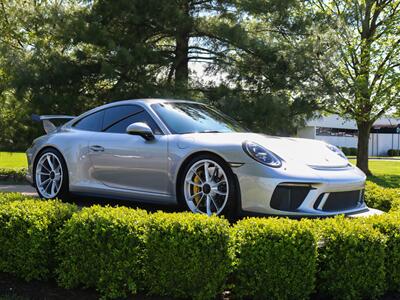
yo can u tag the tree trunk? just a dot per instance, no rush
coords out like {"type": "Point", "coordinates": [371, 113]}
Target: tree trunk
{"type": "Point", "coordinates": [182, 61]}
{"type": "Point", "coordinates": [182, 51]}
{"type": "Point", "coordinates": [362, 148]}
{"type": "Point", "coordinates": [363, 90]}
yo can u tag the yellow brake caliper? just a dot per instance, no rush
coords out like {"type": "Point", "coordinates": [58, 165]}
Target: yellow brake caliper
{"type": "Point", "coordinates": [197, 189]}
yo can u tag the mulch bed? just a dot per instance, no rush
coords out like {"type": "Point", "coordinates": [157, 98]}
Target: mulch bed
{"type": "Point", "coordinates": [39, 290]}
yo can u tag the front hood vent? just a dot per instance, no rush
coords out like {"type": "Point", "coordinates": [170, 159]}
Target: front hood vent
{"type": "Point", "coordinates": [348, 166]}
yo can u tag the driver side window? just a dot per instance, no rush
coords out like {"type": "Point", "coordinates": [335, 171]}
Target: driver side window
{"type": "Point", "coordinates": [123, 117]}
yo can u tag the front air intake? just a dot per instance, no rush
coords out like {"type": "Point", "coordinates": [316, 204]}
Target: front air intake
{"type": "Point", "coordinates": [339, 201]}
{"type": "Point", "coordinates": [289, 197]}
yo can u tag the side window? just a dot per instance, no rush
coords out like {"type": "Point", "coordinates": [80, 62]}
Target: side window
{"type": "Point", "coordinates": [115, 114]}
{"type": "Point", "coordinates": [143, 116]}
{"type": "Point", "coordinates": [92, 122]}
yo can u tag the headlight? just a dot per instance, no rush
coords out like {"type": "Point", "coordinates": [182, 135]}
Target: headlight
{"type": "Point", "coordinates": [336, 150]}
{"type": "Point", "coordinates": [262, 155]}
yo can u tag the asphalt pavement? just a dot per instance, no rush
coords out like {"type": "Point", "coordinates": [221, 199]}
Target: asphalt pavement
{"type": "Point", "coordinates": [19, 188]}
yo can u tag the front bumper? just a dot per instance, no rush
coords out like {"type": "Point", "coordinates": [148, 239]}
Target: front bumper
{"type": "Point", "coordinates": [324, 186]}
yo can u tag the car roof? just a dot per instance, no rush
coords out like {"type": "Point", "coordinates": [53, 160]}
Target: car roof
{"type": "Point", "coordinates": [150, 101]}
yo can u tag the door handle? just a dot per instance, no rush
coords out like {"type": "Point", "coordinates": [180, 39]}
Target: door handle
{"type": "Point", "coordinates": [97, 148]}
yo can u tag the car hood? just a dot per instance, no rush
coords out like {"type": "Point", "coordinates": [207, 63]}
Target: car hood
{"type": "Point", "coordinates": [313, 153]}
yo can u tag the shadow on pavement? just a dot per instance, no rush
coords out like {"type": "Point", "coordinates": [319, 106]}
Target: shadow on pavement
{"type": "Point", "coordinates": [84, 201]}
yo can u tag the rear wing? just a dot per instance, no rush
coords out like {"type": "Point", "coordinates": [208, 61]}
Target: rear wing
{"type": "Point", "coordinates": [48, 126]}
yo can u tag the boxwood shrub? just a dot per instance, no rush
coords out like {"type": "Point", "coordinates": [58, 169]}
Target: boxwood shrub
{"type": "Point", "coordinates": [16, 175]}
{"type": "Point", "coordinates": [389, 225]}
{"type": "Point", "coordinates": [353, 151]}
{"type": "Point", "coordinates": [393, 152]}
{"type": "Point", "coordinates": [273, 259]}
{"type": "Point", "coordinates": [351, 259]}
{"type": "Point", "coordinates": [102, 247]}
{"type": "Point", "coordinates": [187, 255]}
{"type": "Point", "coordinates": [350, 151]}
{"type": "Point", "coordinates": [8, 197]}
{"type": "Point", "coordinates": [120, 251]}
{"type": "Point", "coordinates": [382, 198]}
{"type": "Point", "coordinates": [27, 236]}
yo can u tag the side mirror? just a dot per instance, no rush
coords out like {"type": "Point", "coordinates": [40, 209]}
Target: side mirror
{"type": "Point", "coordinates": [141, 129]}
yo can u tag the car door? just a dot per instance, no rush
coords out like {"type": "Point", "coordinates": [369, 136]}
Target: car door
{"type": "Point", "coordinates": [130, 162]}
{"type": "Point", "coordinates": [77, 150]}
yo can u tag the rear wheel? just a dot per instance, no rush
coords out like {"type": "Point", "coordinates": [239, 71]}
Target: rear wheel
{"type": "Point", "coordinates": [50, 175]}
{"type": "Point", "coordinates": [207, 186]}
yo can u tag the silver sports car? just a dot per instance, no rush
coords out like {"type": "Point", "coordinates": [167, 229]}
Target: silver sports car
{"type": "Point", "coordinates": [183, 152]}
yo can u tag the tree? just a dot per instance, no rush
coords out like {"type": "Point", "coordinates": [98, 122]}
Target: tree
{"type": "Point", "coordinates": [162, 36]}
{"type": "Point", "coordinates": [65, 56]}
{"type": "Point", "coordinates": [357, 59]}
{"type": "Point", "coordinates": [266, 65]}
{"type": "Point", "coordinates": [36, 67]}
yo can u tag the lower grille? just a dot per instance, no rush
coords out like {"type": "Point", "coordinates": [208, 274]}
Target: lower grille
{"type": "Point", "coordinates": [289, 198]}
{"type": "Point", "coordinates": [344, 200]}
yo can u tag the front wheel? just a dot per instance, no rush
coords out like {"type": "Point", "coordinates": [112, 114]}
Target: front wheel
{"type": "Point", "coordinates": [50, 175]}
{"type": "Point", "coordinates": [208, 187]}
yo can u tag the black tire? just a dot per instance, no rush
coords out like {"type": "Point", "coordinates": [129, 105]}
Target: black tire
{"type": "Point", "coordinates": [63, 192]}
{"type": "Point", "coordinates": [230, 209]}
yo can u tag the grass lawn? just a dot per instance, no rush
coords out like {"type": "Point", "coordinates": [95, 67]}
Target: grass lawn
{"type": "Point", "coordinates": [378, 157]}
{"type": "Point", "coordinates": [13, 160]}
{"type": "Point", "coordinates": [385, 172]}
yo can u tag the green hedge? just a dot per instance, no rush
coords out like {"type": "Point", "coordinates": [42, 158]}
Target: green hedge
{"type": "Point", "coordinates": [27, 236]}
{"type": "Point", "coordinates": [187, 255]}
{"type": "Point", "coordinates": [13, 175]}
{"type": "Point", "coordinates": [120, 251]}
{"type": "Point", "coordinates": [389, 225]}
{"type": "Point", "coordinates": [382, 198]}
{"type": "Point", "coordinates": [274, 259]}
{"type": "Point", "coordinates": [351, 259]}
{"type": "Point", "coordinates": [8, 197]}
{"type": "Point", "coordinates": [103, 247]}
{"type": "Point", "coordinates": [349, 151]}
{"type": "Point", "coordinates": [393, 152]}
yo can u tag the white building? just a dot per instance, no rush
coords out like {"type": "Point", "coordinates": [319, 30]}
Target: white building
{"type": "Point", "coordinates": [335, 130]}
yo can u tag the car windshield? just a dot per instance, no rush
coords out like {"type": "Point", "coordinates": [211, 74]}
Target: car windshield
{"type": "Point", "coordinates": [183, 117]}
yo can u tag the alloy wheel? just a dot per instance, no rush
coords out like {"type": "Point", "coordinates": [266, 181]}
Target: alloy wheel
{"type": "Point", "coordinates": [206, 187]}
{"type": "Point", "coordinates": [49, 175]}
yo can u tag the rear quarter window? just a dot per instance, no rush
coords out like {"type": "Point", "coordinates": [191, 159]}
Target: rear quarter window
{"type": "Point", "coordinates": [92, 122]}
